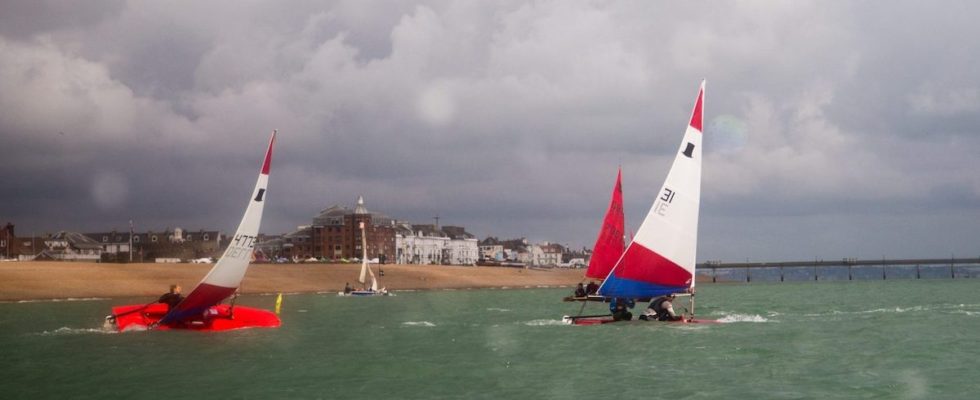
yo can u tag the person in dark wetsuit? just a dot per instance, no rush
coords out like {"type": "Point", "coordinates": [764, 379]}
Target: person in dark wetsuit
{"type": "Point", "coordinates": [579, 290]}
{"type": "Point", "coordinates": [172, 298]}
{"type": "Point", "coordinates": [619, 308]}
{"type": "Point", "coordinates": [347, 288]}
{"type": "Point", "coordinates": [591, 288]}
{"type": "Point", "coordinates": [661, 309]}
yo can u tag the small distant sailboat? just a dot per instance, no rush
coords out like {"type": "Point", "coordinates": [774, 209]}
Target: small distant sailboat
{"type": "Point", "coordinates": [365, 272]}
{"type": "Point", "coordinates": [609, 244]}
{"type": "Point", "coordinates": [201, 309]}
{"type": "Point", "coordinates": [661, 258]}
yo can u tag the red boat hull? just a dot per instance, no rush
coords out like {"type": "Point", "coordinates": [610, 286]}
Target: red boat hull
{"type": "Point", "coordinates": [218, 318]}
{"type": "Point", "coordinates": [609, 320]}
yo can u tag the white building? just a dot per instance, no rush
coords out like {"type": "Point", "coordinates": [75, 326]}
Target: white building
{"type": "Point", "coordinates": [427, 244]}
{"type": "Point", "coordinates": [71, 246]}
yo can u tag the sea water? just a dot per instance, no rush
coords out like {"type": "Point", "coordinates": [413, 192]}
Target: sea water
{"type": "Point", "coordinates": [908, 339]}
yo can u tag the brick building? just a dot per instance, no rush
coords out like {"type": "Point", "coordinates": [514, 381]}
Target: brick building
{"type": "Point", "coordinates": [336, 233]}
{"type": "Point", "coordinates": [8, 242]}
{"type": "Point", "coordinates": [23, 248]}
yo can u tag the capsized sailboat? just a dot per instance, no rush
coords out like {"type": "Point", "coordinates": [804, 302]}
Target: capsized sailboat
{"type": "Point", "coordinates": [201, 309]}
{"type": "Point", "coordinates": [661, 258]}
{"type": "Point", "coordinates": [365, 272]}
{"type": "Point", "coordinates": [609, 244]}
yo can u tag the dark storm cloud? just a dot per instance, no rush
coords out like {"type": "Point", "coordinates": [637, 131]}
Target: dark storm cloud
{"type": "Point", "coordinates": [827, 126]}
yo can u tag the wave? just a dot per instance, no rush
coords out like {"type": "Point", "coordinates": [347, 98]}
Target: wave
{"type": "Point", "coordinates": [545, 322]}
{"type": "Point", "coordinates": [419, 323]}
{"type": "Point", "coordinates": [498, 309]}
{"type": "Point", "coordinates": [743, 318]}
{"type": "Point", "coordinates": [64, 330]}
{"type": "Point", "coordinates": [61, 300]}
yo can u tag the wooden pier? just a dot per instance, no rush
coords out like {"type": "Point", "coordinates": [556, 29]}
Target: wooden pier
{"type": "Point", "coordinates": [851, 264]}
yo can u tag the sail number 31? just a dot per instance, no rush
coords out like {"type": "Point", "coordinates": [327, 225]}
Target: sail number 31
{"type": "Point", "coordinates": [663, 201]}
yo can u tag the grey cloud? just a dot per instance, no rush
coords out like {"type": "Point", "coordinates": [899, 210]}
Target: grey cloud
{"type": "Point", "coordinates": [509, 117]}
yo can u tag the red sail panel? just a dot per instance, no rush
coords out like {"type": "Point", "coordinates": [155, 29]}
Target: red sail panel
{"type": "Point", "coordinates": [697, 119]}
{"type": "Point", "coordinates": [609, 245]}
{"type": "Point", "coordinates": [644, 265]}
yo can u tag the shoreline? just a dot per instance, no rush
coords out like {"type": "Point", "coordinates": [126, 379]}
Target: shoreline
{"type": "Point", "coordinates": [57, 281]}
{"type": "Point", "coordinates": [79, 281]}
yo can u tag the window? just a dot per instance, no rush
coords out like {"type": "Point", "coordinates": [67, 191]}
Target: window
{"type": "Point", "coordinates": [136, 239]}
{"type": "Point", "coordinates": [206, 237]}
{"type": "Point", "coordinates": [153, 239]}
{"type": "Point", "coordinates": [105, 238]}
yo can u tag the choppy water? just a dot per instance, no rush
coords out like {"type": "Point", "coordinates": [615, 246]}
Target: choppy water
{"type": "Point", "coordinates": [863, 339]}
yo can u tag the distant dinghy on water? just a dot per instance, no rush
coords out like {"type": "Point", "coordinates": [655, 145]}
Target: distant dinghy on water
{"type": "Point", "coordinates": [202, 309]}
{"type": "Point", "coordinates": [366, 271]}
{"type": "Point", "coordinates": [660, 260]}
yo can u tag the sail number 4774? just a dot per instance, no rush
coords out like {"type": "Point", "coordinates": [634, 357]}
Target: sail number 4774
{"type": "Point", "coordinates": [241, 246]}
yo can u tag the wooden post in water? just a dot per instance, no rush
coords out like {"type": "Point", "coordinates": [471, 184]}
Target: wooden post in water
{"type": "Point", "coordinates": [883, 277]}
{"type": "Point", "coordinates": [781, 273]}
{"type": "Point", "coordinates": [714, 275]}
{"type": "Point", "coordinates": [918, 275]}
{"type": "Point", "coordinates": [850, 276]}
{"type": "Point", "coordinates": [952, 273]}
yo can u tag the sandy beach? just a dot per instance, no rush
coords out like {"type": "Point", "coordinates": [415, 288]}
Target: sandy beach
{"type": "Point", "coordinates": [60, 280]}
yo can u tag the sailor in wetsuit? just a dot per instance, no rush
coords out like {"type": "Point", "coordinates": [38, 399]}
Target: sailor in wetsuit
{"type": "Point", "coordinates": [591, 288]}
{"type": "Point", "coordinates": [661, 309]}
{"type": "Point", "coordinates": [172, 298]}
{"type": "Point", "coordinates": [619, 307]}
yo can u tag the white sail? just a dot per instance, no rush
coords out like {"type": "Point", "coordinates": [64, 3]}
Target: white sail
{"type": "Point", "coordinates": [661, 257]}
{"type": "Point", "coordinates": [364, 263]}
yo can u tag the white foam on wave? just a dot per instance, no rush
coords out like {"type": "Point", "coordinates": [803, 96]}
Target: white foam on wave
{"type": "Point", "coordinates": [64, 330]}
{"type": "Point", "coordinates": [419, 323]}
{"type": "Point", "coordinates": [743, 318]}
{"type": "Point", "coordinates": [498, 309]}
{"type": "Point", "coordinates": [63, 300]}
{"type": "Point", "coordinates": [545, 322]}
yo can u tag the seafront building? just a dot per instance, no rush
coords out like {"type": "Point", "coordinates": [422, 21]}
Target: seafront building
{"type": "Point", "coordinates": [519, 251]}
{"type": "Point", "coordinates": [336, 233]}
{"type": "Point", "coordinates": [172, 245]}
{"type": "Point", "coordinates": [70, 246]}
{"type": "Point", "coordinates": [430, 244]}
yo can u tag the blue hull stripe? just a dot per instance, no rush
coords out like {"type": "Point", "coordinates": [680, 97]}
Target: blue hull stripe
{"type": "Point", "coordinates": [630, 289]}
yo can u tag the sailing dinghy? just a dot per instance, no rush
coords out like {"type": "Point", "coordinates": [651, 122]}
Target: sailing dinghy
{"type": "Point", "coordinates": [661, 258]}
{"type": "Point", "coordinates": [365, 272]}
{"type": "Point", "coordinates": [201, 309]}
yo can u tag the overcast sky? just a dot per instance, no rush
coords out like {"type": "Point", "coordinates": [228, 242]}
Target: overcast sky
{"type": "Point", "coordinates": [832, 129]}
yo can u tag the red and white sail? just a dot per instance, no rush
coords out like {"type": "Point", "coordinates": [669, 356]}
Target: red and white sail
{"type": "Point", "coordinates": [661, 257]}
{"type": "Point", "coordinates": [227, 274]}
{"type": "Point", "coordinates": [609, 245]}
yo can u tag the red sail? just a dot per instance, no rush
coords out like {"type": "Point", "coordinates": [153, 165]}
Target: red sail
{"type": "Point", "coordinates": [609, 245]}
